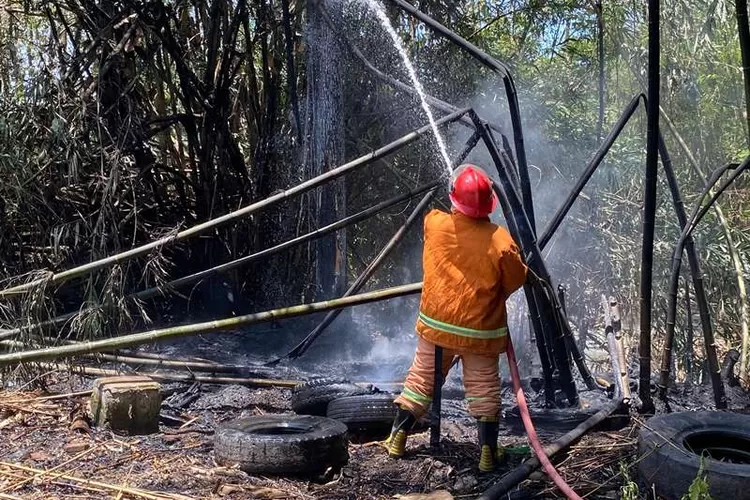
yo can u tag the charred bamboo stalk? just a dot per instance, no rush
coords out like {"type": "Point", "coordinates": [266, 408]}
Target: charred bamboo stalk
{"type": "Point", "coordinates": [522, 232]}
{"type": "Point", "coordinates": [561, 298]}
{"type": "Point", "coordinates": [734, 255]}
{"type": "Point", "coordinates": [500, 489]}
{"type": "Point", "coordinates": [234, 264]}
{"type": "Point", "coordinates": [593, 164]}
{"type": "Point", "coordinates": [503, 71]}
{"type": "Point", "coordinates": [696, 272]}
{"type": "Point", "coordinates": [689, 337]}
{"type": "Point", "coordinates": [649, 208]}
{"type": "Point", "coordinates": [696, 216]}
{"type": "Point", "coordinates": [308, 185]}
{"type": "Point", "coordinates": [209, 326]}
{"type": "Point", "coordinates": [303, 346]}
{"type": "Point", "coordinates": [176, 377]}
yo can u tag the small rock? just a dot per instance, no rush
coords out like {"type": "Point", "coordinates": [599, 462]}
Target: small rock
{"type": "Point", "coordinates": [39, 456]}
{"type": "Point", "coordinates": [77, 446]}
{"type": "Point", "coordinates": [465, 483]}
{"type": "Point", "coordinates": [170, 438]}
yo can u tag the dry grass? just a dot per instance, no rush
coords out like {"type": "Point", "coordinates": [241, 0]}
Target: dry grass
{"type": "Point", "coordinates": [49, 453]}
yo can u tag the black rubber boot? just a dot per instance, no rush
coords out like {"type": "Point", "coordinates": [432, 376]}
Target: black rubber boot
{"type": "Point", "coordinates": [488, 432]}
{"type": "Point", "coordinates": [402, 424]}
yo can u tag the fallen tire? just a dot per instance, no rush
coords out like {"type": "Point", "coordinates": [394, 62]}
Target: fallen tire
{"type": "Point", "coordinates": [282, 444]}
{"type": "Point", "coordinates": [312, 397]}
{"type": "Point", "coordinates": [671, 447]}
{"type": "Point", "coordinates": [368, 414]}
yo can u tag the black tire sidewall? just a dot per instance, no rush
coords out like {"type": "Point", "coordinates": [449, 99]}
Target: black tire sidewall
{"type": "Point", "coordinates": [323, 445]}
{"type": "Point", "coordinates": [671, 468]}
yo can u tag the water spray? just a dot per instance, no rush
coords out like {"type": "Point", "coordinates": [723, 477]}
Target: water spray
{"type": "Point", "coordinates": [379, 11]}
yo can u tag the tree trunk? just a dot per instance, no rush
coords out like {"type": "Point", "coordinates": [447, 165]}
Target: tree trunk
{"type": "Point", "coordinates": [324, 149]}
{"type": "Point", "coordinates": [744, 35]}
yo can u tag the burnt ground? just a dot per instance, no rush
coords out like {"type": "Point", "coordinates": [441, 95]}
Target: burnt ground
{"type": "Point", "coordinates": [43, 457]}
{"type": "Point", "coordinates": [47, 453]}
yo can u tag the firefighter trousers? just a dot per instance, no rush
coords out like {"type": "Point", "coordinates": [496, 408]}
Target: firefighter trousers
{"type": "Point", "coordinates": [480, 376]}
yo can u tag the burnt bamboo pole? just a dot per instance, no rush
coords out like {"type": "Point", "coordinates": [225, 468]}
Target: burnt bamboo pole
{"type": "Point", "coordinates": [520, 228]}
{"type": "Point", "coordinates": [649, 208]}
{"type": "Point", "coordinates": [689, 336]}
{"type": "Point", "coordinates": [243, 212]}
{"type": "Point", "coordinates": [176, 377]}
{"type": "Point", "coordinates": [501, 488]}
{"type": "Point", "coordinates": [697, 214]}
{"type": "Point", "coordinates": [695, 271]}
{"type": "Point", "coordinates": [198, 366]}
{"type": "Point", "coordinates": [743, 31]}
{"type": "Point", "coordinates": [228, 266]}
{"type": "Point", "coordinates": [593, 164]}
{"type": "Point", "coordinates": [305, 344]}
{"type": "Point", "coordinates": [205, 327]}
{"type": "Point", "coordinates": [510, 90]}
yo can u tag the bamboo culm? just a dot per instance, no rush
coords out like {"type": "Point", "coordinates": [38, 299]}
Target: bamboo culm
{"type": "Point", "coordinates": [209, 326]}
{"type": "Point", "coordinates": [697, 214]}
{"type": "Point", "coordinates": [195, 277]}
{"type": "Point", "coordinates": [232, 216]}
{"type": "Point", "coordinates": [649, 208]}
{"type": "Point", "coordinates": [696, 274]}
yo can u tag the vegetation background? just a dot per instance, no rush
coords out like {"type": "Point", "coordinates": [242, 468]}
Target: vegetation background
{"type": "Point", "coordinates": [122, 121]}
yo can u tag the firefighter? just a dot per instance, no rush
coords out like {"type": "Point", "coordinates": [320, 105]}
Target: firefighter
{"type": "Point", "coordinates": [471, 266]}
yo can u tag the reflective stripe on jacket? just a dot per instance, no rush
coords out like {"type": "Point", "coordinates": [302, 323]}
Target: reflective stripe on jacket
{"type": "Point", "coordinates": [471, 266]}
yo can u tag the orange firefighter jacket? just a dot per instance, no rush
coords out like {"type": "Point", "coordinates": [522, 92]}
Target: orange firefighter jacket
{"type": "Point", "coordinates": [471, 266]}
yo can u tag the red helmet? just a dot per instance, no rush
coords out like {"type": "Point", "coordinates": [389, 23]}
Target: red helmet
{"type": "Point", "coordinates": [471, 191]}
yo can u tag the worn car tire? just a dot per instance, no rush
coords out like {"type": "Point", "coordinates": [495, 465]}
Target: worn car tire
{"type": "Point", "coordinates": [282, 444]}
{"type": "Point", "coordinates": [365, 413]}
{"type": "Point", "coordinates": [369, 414]}
{"type": "Point", "coordinates": [312, 397]}
{"type": "Point", "coordinates": [670, 467]}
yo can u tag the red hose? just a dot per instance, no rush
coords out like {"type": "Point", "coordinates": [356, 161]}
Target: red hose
{"type": "Point", "coordinates": [526, 417]}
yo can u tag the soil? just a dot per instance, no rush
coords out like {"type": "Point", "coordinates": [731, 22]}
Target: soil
{"type": "Point", "coordinates": [49, 452]}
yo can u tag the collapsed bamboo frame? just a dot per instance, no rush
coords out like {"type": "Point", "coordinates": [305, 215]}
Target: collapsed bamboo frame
{"type": "Point", "coordinates": [205, 327]}
{"type": "Point", "coordinates": [502, 70]}
{"type": "Point", "coordinates": [228, 266]}
{"type": "Point", "coordinates": [305, 344]}
{"type": "Point", "coordinates": [301, 188]}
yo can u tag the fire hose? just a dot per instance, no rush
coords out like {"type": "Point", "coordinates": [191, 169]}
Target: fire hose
{"type": "Point", "coordinates": [531, 432]}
